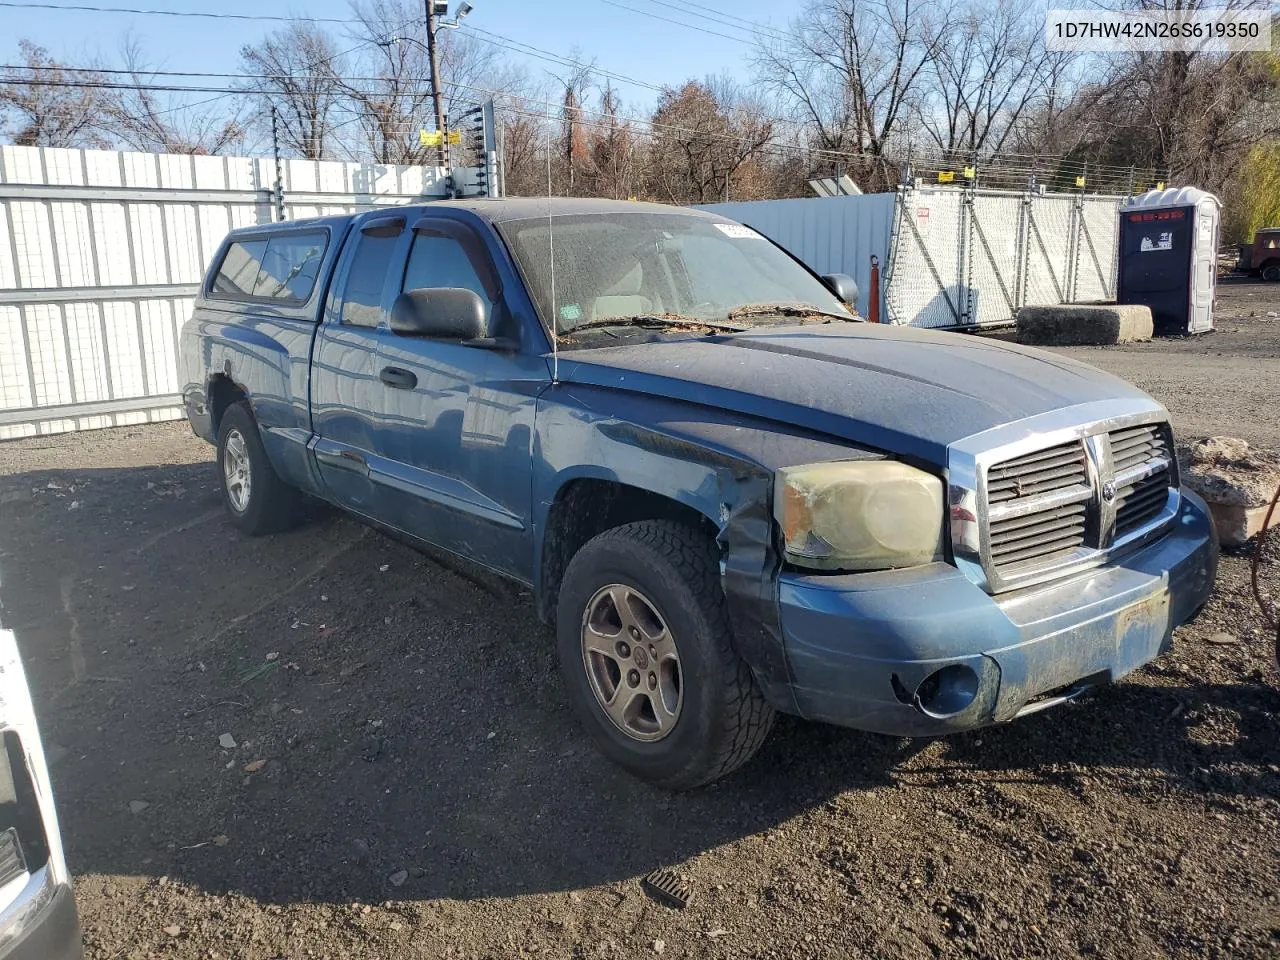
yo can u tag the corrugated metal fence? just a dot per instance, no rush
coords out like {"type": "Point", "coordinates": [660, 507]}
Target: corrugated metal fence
{"type": "Point", "coordinates": [830, 234]}
{"type": "Point", "coordinates": [101, 253]}
{"type": "Point", "coordinates": [951, 257]}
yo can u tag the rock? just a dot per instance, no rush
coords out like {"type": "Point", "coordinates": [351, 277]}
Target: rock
{"type": "Point", "coordinates": [221, 840]}
{"type": "Point", "coordinates": [1084, 324]}
{"type": "Point", "coordinates": [137, 806]}
{"type": "Point", "coordinates": [1237, 481]}
{"type": "Point", "coordinates": [1228, 471]}
{"type": "Point", "coordinates": [173, 930]}
{"type": "Point", "coordinates": [227, 742]}
{"type": "Point", "coordinates": [398, 878]}
{"type": "Point", "coordinates": [254, 766]}
{"type": "Point", "coordinates": [1222, 639]}
{"type": "Point", "coordinates": [659, 946]}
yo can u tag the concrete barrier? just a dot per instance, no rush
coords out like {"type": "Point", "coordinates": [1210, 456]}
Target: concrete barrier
{"type": "Point", "coordinates": [1238, 482]}
{"type": "Point", "coordinates": [1077, 324]}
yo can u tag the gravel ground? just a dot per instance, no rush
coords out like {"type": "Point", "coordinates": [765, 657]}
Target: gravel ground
{"type": "Point", "coordinates": [406, 778]}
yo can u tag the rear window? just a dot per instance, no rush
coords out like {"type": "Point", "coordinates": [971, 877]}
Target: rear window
{"type": "Point", "coordinates": [290, 266]}
{"type": "Point", "coordinates": [281, 267]}
{"type": "Point", "coordinates": [239, 271]}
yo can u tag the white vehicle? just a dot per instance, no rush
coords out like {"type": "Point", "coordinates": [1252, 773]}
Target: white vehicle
{"type": "Point", "coordinates": [38, 919]}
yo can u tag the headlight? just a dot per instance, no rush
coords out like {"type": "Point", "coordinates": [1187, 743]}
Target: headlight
{"type": "Point", "coordinates": [863, 515]}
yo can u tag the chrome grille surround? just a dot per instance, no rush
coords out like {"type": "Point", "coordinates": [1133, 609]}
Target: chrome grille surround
{"type": "Point", "coordinates": [1051, 473]}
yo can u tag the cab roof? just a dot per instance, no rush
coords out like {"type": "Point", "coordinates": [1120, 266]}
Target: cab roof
{"type": "Point", "coordinates": [498, 210]}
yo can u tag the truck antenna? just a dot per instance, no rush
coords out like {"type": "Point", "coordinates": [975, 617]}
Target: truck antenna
{"type": "Point", "coordinates": [551, 247]}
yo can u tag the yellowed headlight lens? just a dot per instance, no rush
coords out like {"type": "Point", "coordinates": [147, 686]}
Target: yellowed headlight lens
{"type": "Point", "coordinates": [859, 515]}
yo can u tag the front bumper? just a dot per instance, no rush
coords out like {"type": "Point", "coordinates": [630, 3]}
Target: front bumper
{"type": "Point", "coordinates": [41, 924]}
{"type": "Point", "coordinates": [859, 646]}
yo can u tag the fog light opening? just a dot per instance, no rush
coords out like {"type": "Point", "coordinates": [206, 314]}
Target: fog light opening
{"type": "Point", "coordinates": [947, 692]}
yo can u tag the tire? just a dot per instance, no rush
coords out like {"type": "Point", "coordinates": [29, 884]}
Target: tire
{"type": "Point", "coordinates": [1271, 272]}
{"type": "Point", "coordinates": [260, 502]}
{"type": "Point", "coordinates": [668, 577]}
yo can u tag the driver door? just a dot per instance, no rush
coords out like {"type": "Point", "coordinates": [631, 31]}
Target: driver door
{"type": "Point", "coordinates": [455, 421]}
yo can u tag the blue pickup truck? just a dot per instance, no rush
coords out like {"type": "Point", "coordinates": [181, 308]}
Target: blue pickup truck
{"type": "Point", "coordinates": [729, 495]}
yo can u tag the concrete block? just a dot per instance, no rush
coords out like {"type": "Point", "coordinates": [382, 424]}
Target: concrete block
{"type": "Point", "coordinates": [1237, 481]}
{"type": "Point", "coordinates": [1080, 324]}
{"type": "Point", "coordinates": [1237, 524]}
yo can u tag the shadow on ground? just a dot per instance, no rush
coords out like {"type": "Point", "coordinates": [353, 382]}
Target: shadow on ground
{"type": "Point", "coordinates": [409, 713]}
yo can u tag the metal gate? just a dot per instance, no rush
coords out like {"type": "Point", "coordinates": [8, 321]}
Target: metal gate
{"type": "Point", "coordinates": [962, 258]}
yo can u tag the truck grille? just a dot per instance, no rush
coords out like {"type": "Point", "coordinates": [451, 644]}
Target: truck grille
{"type": "Point", "coordinates": [1055, 507]}
{"type": "Point", "coordinates": [1142, 459]}
{"type": "Point", "coordinates": [1037, 507]}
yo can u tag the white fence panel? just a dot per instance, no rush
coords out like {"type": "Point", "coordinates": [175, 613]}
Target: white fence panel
{"type": "Point", "coordinates": [102, 252]}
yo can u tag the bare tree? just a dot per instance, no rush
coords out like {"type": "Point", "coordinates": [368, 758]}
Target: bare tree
{"type": "Point", "coordinates": [143, 119]}
{"type": "Point", "coordinates": [850, 70]}
{"type": "Point", "coordinates": [991, 70]}
{"type": "Point", "coordinates": [702, 135]}
{"type": "Point", "coordinates": [296, 70]}
{"type": "Point", "coordinates": [42, 106]}
{"type": "Point", "coordinates": [611, 145]}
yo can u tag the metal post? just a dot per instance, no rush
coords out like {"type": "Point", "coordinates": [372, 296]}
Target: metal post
{"type": "Point", "coordinates": [436, 99]}
{"type": "Point", "coordinates": [445, 156]}
{"type": "Point", "coordinates": [1129, 189]}
{"type": "Point", "coordinates": [502, 161]}
{"type": "Point", "coordinates": [873, 295]}
{"type": "Point", "coordinates": [275, 150]}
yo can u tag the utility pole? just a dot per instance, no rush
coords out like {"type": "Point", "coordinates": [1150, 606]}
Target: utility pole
{"type": "Point", "coordinates": [437, 100]}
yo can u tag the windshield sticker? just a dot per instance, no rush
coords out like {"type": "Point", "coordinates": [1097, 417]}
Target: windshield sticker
{"type": "Point", "coordinates": [571, 311]}
{"type": "Point", "coordinates": [737, 231]}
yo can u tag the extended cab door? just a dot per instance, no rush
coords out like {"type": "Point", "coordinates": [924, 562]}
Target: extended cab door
{"type": "Point", "coordinates": [455, 421]}
{"type": "Point", "coordinates": [345, 390]}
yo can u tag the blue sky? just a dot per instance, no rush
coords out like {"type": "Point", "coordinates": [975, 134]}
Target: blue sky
{"type": "Point", "coordinates": [638, 46]}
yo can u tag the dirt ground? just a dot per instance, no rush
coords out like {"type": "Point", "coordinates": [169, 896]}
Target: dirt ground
{"type": "Point", "coordinates": [407, 780]}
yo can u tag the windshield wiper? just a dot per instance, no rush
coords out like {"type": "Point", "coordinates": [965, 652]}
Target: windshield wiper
{"type": "Point", "coordinates": [654, 321]}
{"type": "Point", "coordinates": [786, 310]}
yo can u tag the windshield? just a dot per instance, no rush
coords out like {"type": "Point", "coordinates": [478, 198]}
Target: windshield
{"type": "Point", "coordinates": [662, 266]}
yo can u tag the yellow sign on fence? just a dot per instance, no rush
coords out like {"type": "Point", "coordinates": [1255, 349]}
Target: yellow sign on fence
{"type": "Point", "coordinates": [946, 176]}
{"type": "Point", "coordinates": [1079, 181]}
{"type": "Point", "coordinates": [433, 138]}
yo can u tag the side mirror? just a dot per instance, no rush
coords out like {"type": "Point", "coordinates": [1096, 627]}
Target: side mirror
{"type": "Point", "coordinates": [843, 286]}
{"type": "Point", "coordinates": [445, 313]}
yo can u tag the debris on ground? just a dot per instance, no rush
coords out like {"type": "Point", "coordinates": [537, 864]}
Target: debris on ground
{"type": "Point", "coordinates": [227, 742]}
{"type": "Point", "coordinates": [137, 806]}
{"type": "Point", "coordinates": [668, 888]}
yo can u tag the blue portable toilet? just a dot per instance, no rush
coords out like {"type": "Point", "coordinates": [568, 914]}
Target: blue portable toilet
{"type": "Point", "coordinates": [1168, 254]}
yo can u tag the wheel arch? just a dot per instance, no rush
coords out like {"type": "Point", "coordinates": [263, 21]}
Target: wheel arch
{"type": "Point", "coordinates": [222, 391]}
{"type": "Point", "coordinates": [585, 506]}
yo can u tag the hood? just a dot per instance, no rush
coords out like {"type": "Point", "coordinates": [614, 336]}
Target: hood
{"type": "Point", "coordinates": [899, 389]}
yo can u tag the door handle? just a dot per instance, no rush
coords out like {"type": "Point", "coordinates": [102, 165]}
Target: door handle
{"type": "Point", "coordinates": [398, 378]}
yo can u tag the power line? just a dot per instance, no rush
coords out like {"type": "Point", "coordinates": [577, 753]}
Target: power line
{"type": "Point", "coordinates": [86, 8]}
{"type": "Point", "coordinates": [678, 23]}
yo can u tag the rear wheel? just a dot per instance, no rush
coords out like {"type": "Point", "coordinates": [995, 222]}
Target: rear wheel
{"type": "Point", "coordinates": [1271, 272]}
{"type": "Point", "coordinates": [647, 655]}
{"type": "Point", "coordinates": [257, 500]}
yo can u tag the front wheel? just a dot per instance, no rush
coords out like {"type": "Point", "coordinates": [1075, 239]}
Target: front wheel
{"type": "Point", "coordinates": [257, 500]}
{"type": "Point", "coordinates": [1271, 272]}
{"type": "Point", "coordinates": [648, 658]}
